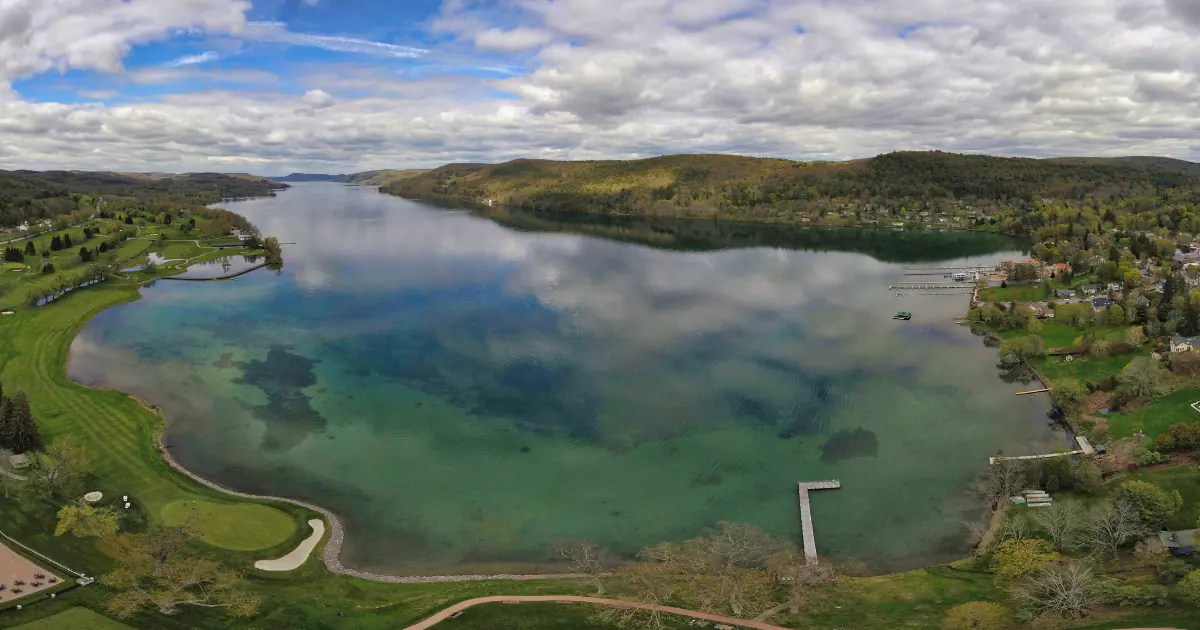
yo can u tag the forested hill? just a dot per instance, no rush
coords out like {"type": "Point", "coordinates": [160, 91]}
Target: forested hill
{"type": "Point", "coordinates": [35, 195]}
{"type": "Point", "coordinates": [775, 190]}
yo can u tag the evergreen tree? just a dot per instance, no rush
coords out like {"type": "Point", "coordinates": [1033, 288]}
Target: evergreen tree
{"type": "Point", "coordinates": [66, 241]}
{"type": "Point", "coordinates": [20, 431]}
{"type": "Point", "coordinates": [128, 220]}
{"type": "Point", "coordinates": [30, 250]}
{"type": "Point", "coordinates": [85, 255]}
{"type": "Point", "coordinates": [56, 243]}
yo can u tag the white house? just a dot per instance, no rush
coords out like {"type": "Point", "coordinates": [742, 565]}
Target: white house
{"type": "Point", "coordinates": [1184, 344]}
{"type": "Point", "coordinates": [24, 227]}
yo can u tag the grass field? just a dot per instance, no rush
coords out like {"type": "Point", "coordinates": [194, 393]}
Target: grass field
{"type": "Point", "coordinates": [1157, 415]}
{"type": "Point", "coordinates": [1085, 369]}
{"type": "Point", "coordinates": [1185, 479]}
{"type": "Point", "coordinates": [73, 619]}
{"type": "Point", "coordinates": [238, 526]}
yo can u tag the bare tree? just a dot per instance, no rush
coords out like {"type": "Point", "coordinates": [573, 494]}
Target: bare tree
{"type": "Point", "coordinates": [1113, 526]}
{"type": "Point", "coordinates": [650, 585]}
{"type": "Point", "coordinates": [1069, 591]}
{"type": "Point", "coordinates": [1004, 479]}
{"type": "Point", "coordinates": [1013, 527]}
{"type": "Point", "coordinates": [1064, 521]}
{"type": "Point", "coordinates": [801, 578]}
{"type": "Point", "coordinates": [588, 559]}
{"type": "Point", "coordinates": [976, 530]}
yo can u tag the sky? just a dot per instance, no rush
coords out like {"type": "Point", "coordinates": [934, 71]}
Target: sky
{"type": "Point", "coordinates": [276, 86]}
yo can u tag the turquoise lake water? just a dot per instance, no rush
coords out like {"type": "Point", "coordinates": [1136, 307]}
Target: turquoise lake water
{"type": "Point", "coordinates": [466, 390]}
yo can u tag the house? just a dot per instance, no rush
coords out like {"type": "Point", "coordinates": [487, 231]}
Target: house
{"type": "Point", "coordinates": [18, 461]}
{"type": "Point", "coordinates": [24, 227]}
{"type": "Point", "coordinates": [1182, 256]}
{"type": "Point", "coordinates": [1181, 542]}
{"type": "Point", "coordinates": [1184, 344]}
{"type": "Point", "coordinates": [1090, 289]}
{"type": "Point", "coordinates": [1058, 269]}
{"type": "Point", "coordinates": [1099, 303]}
{"type": "Point", "coordinates": [1113, 286]}
{"type": "Point", "coordinates": [1064, 293]}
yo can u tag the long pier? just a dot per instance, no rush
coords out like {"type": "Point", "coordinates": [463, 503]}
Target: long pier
{"type": "Point", "coordinates": [930, 286]}
{"type": "Point", "coordinates": [227, 276]}
{"type": "Point", "coordinates": [1035, 391]}
{"type": "Point", "coordinates": [944, 269]}
{"type": "Point", "coordinates": [1085, 448]}
{"type": "Point", "coordinates": [810, 541]}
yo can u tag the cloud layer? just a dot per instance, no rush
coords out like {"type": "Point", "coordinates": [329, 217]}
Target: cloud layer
{"type": "Point", "coordinates": [802, 79]}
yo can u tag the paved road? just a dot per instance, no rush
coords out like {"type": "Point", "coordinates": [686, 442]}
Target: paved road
{"type": "Point", "coordinates": [445, 614]}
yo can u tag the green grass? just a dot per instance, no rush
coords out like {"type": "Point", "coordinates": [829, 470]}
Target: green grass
{"type": "Point", "coordinates": [238, 526]}
{"type": "Point", "coordinates": [1185, 479]}
{"type": "Point", "coordinates": [74, 619]}
{"type": "Point", "coordinates": [1157, 415]}
{"type": "Point", "coordinates": [534, 616]}
{"type": "Point", "coordinates": [118, 431]}
{"type": "Point", "coordinates": [1015, 293]}
{"type": "Point", "coordinates": [1085, 369]}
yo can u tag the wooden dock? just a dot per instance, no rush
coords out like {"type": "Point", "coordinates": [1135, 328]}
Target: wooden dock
{"type": "Point", "coordinates": [951, 269]}
{"type": "Point", "coordinates": [810, 541]}
{"type": "Point", "coordinates": [927, 286]}
{"type": "Point", "coordinates": [1085, 448]}
{"type": "Point", "coordinates": [1035, 391]}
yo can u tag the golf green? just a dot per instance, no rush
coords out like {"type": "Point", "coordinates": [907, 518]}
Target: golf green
{"type": "Point", "coordinates": [237, 526]}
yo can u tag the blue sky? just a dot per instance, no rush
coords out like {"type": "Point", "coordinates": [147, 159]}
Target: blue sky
{"type": "Point", "coordinates": [344, 85]}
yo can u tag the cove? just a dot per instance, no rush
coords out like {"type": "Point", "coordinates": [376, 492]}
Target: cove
{"type": "Point", "coordinates": [466, 389]}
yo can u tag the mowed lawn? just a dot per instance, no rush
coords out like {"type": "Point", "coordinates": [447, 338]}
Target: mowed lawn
{"type": "Point", "coordinates": [74, 619]}
{"type": "Point", "coordinates": [227, 524]}
{"type": "Point", "coordinates": [1158, 415]}
{"type": "Point", "coordinates": [118, 432]}
{"type": "Point", "coordinates": [1083, 368]}
{"type": "Point", "coordinates": [1185, 479]}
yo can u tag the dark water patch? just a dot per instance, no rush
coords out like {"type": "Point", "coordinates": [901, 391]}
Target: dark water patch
{"type": "Point", "coordinates": [857, 442]}
{"type": "Point", "coordinates": [744, 406]}
{"type": "Point", "coordinates": [288, 414]}
{"type": "Point", "coordinates": [224, 362]}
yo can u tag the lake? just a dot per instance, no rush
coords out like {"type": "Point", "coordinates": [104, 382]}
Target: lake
{"type": "Point", "coordinates": [465, 390]}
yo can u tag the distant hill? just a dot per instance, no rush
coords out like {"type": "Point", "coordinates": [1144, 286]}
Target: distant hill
{"type": "Point", "coordinates": [307, 177]}
{"type": "Point", "coordinates": [777, 190]}
{"type": "Point", "coordinates": [382, 177]}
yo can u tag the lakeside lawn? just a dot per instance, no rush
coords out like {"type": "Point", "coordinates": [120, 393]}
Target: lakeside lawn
{"type": "Point", "coordinates": [1157, 415]}
{"type": "Point", "coordinates": [1185, 479]}
{"type": "Point", "coordinates": [1085, 369]}
{"type": "Point", "coordinates": [1014, 293]}
{"type": "Point", "coordinates": [1059, 335]}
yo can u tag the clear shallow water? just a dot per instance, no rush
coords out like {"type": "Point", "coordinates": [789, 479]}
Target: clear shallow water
{"type": "Point", "coordinates": [465, 393]}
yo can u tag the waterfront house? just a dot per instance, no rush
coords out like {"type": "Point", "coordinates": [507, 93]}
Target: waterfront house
{"type": "Point", "coordinates": [1063, 294]}
{"type": "Point", "coordinates": [1180, 543]}
{"type": "Point", "coordinates": [1113, 286]}
{"type": "Point", "coordinates": [1059, 269]}
{"type": "Point", "coordinates": [1101, 303]}
{"type": "Point", "coordinates": [1184, 344]}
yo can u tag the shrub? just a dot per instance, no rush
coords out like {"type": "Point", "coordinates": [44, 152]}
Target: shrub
{"type": "Point", "coordinates": [1137, 595]}
{"type": "Point", "coordinates": [1174, 571]}
{"type": "Point", "coordinates": [1179, 437]}
{"type": "Point", "coordinates": [1148, 458]}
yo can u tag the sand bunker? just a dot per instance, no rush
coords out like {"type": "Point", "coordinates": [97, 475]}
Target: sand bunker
{"type": "Point", "coordinates": [298, 555]}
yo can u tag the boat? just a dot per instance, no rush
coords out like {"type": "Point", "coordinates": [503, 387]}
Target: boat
{"type": "Point", "coordinates": [905, 315]}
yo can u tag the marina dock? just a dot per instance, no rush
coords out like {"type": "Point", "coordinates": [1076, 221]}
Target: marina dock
{"type": "Point", "coordinates": [810, 541]}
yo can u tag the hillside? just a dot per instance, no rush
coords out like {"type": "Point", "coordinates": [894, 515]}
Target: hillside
{"type": "Point", "coordinates": [775, 190]}
{"type": "Point", "coordinates": [307, 177]}
{"type": "Point", "coordinates": [35, 195]}
{"type": "Point", "coordinates": [381, 177]}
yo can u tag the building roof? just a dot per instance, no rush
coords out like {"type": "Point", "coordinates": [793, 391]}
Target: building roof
{"type": "Point", "coordinates": [1065, 292]}
{"type": "Point", "coordinates": [1098, 302]}
{"type": "Point", "coordinates": [1179, 539]}
{"type": "Point", "coordinates": [1192, 341]}
{"type": "Point", "coordinates": [1094, 287]}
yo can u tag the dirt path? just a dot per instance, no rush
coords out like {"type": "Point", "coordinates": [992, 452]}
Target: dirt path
{"type": "Point", "coordinates": [445, 614]}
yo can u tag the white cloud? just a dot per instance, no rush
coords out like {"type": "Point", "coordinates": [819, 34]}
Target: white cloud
{"type": "Point", "coordinates": [277, 33]}
{"type": "Point", "coordinates": [192, 60]}
{"type": "Point", "coordinates": [582, 80]}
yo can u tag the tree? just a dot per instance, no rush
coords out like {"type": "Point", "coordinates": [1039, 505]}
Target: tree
{"type": "Point", "coordinates": [273, 250]}
{"type": "Point", "coordinates": [1068, 395]}
{"type": "Point", "coordinates": [58, 473]}
{"type": "Point", "coordinates": [84, 520]}
{"type": "Point", "coordinates": [1063, 521]}
{"type": "Point", "coordinates": [976, 616]}
{"type": "Point", "coordinates": [30, 249]}
{"type": "Point", "coordinates": [1142, 377]}
{"type": "Point", "coordinates": [1024, 348]}
{"type": "Point", "coordinates": [1069, 591]}
{"type": "Point", "coordinates": [1003, 480]}
{"type": "Point", "coordinates": [20, 432]}
{"type": "Point", "coordinates": [56, 243]}
{"type": "Point", "coordinates": [719, 571]}
{"type": "Point", "coordinates": [588, 559]}
{"type": "Point", "coordinates": [1016, 558]}
{"type": "Point", "coordinates": [1179, 437]}
{"type": "Point", "coordinates": [1189, 588]}
{"type": "Point", "coordinates": [1116, 315]}
{"type": "Point", "coordinates": [1099, 349]}
{"type": "Point", "coordinates": [1154, 505]}
{"type": "Point", "coordinates": [1113, 526]}
{"type": "Point", "coordinates": [85, 256]}
{"type": "Point", "coordinates": [182, 580]}
{"type": "Point", "coordinates": [66, 241]}
{"type": "Point", "coordinates": [1087, 477]}
{"type": "Point", "coordinates": [1134, 336]}
{"type": "Point", "coordinates": [800, 576]}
